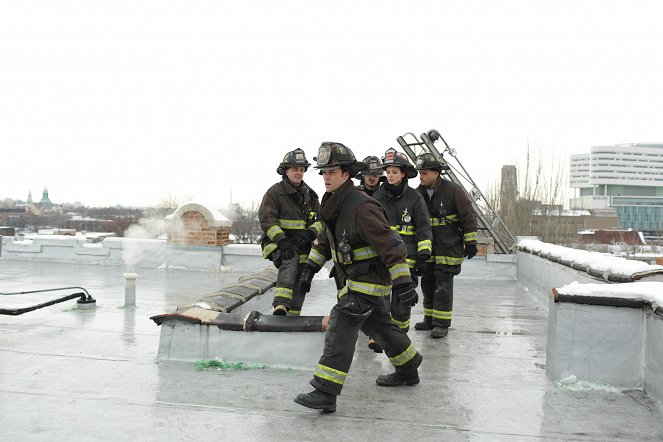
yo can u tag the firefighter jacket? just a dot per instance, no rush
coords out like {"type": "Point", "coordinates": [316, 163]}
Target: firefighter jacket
{"type": "Point", "coordinates": [366, 190]}
{"type": "Point", "coordinates": [284, 210]}
{"type": "Point", "coordinates": [368, 256]}
{"type": "Point", "coordinates": [408, 216]}
{"type": "Point", "coordinates": [453, 221]}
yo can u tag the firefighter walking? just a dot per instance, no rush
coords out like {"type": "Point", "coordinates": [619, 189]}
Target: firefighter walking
{"type": "Point", "coordinates": [408, 216]}
{"type": "Point", "coordinates": [287, 217]}
{"type": "Point", "coordinates": [454, 226]}
{"type": "Point", "coordinates": [369, 258]}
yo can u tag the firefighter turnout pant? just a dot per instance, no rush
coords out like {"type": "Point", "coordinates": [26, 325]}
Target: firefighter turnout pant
{"type": "Point", "coordinates": [286, 292]}
{"type": "Point", "coordinates": [438, 289]}
{"type": "Point", "coordinates": [400, 313]}
{"type": "Point", "coordinates": [353, 312]}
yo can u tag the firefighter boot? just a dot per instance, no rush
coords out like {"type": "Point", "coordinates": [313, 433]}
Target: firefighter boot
{"type": "Point", "coordinates": [280, 310]}
{"type": "Point", "coordinates": [373, 345]}
{"type": "Point", "coordinates": [318, 400]}
{"type": "Point", "coordinates": [423, 326]}
{"type": "Point", "coordinates": [439, 332]}
{"type": "Point", "coordinates": [394, 379]}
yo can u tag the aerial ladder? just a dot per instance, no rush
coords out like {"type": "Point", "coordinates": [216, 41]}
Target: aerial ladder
{"type": "Point", "coordinates": [489, 222]}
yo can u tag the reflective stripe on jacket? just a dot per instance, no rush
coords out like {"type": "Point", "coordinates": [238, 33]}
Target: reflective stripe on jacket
{"type": "Point", "coordinates": [283, 210]}
{"type": "Point", "coordinates": [377, 253]}
{"type": "Point", "coordinates": [453, 222]}
{"type": "Point", "coordinates": [408, 216]}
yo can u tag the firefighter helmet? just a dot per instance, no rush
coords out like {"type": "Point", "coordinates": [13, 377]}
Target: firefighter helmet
{"type": "Point", "coordinates": [295, 158]}
{"type": "Point", "coordinates": [331, 154]}
{"type": "Point", "coordinates": [373, 168]}
{"type": "Point", "coordinates": [428, 161]}
{"type": "Point", "coordinates": [394, 158]}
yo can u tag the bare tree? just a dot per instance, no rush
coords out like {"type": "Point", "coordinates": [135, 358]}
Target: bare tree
{"type": "Point", "coordinates": [534, 206]}
{"type": "Point", "coordinates": [246, 228]}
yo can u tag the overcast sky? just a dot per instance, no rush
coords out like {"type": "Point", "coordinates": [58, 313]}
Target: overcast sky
{"type": "Point", "coordinates": [130, 102]}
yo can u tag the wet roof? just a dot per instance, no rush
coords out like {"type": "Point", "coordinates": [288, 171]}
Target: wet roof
{"type": "Point", "coordinates": [76, 375]}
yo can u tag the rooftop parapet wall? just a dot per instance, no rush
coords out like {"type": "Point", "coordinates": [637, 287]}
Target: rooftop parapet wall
{"type": "Point", "coordinates": [607, 333]}
{"type": "Point", "coordinates": [133, 253]}
{"type": "Point", "coordinates": [605, 323]}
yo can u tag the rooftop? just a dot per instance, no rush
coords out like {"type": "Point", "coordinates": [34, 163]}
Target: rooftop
{"type": "Point", "coordinates": [69, 374]}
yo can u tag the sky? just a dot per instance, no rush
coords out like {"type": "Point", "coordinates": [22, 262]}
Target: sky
{"type": "Point", "coordinates": [140, 102]}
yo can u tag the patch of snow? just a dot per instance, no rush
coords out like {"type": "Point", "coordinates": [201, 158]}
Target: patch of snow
{"type": "Point", "coordinates": [643, 290]}
{"type": "Point", "coordinates": [593, 260]}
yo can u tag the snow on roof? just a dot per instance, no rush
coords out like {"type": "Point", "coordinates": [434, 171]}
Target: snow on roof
{"type": "Point", "coordinates": [643, 290]}
{"type": "Point", "coordinates": [213, 216]}
{"type": "Point", "coordinates": [593, 260]}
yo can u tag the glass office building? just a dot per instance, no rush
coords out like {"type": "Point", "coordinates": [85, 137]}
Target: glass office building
{"type": "Point", "coordinates": [626, 177]}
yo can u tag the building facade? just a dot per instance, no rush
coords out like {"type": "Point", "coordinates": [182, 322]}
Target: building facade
{"type": "Point", "coordinates": [626, 177]}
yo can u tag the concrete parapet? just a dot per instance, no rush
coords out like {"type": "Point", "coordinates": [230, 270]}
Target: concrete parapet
{"type": "Point", "coordinates": [585, 331]}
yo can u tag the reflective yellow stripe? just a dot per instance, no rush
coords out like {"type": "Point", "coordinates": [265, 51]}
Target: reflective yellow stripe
{"type": "Point", "coordinates": [317, 226]}
{"type": "Point", "coordinates": [440, 314]}
{"type": "Point", "coordinates": [425, 244]}
{"type": "Point", "coordinates": [404, 357]}
{"type": "Point", "coordinates": [303, 259]}
{"type": "Point", "coordinates": [269, 248]}
{"type": "Point", "coordinates": [410, 262]}
{"type": "Point", "coordinates": [435, 222]}
{"type": "Point", "coordinates": [283, 292]}
{"type": "Point", "coordinates": [292, 224]}
{"type": "Point", "coordinates": [363, 253]}
{"type": "Point", "coordinates": [448, 260]}
{"type": "Point", "coordinates": [317, 257]}
{"type": "Point", "coordinates": [428, 312]}
{"type": "Point", "coordinates": [273, 231]}
{"type": "Point", "coordinates": [404, 230]}
{"type": "Point", "coordinates": [401, 324]}
{"type": "Point", "coordinates": [330, 374]}
{"type": "Point", "coordinates": [293, 313]}
{"type": "Point", "coordinates": [470, 236]}
{"type": "Point", "coordinates": [368, 288]}
{"type": "Point", "coordinates": [398, 270]}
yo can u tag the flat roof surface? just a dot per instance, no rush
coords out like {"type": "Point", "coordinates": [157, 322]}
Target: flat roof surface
{"type": "Point", "coordinates": [77, 375]}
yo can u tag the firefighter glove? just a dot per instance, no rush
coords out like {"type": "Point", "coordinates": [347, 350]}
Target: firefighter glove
{"type": "Point", "coordinates": [302, 239]}
{"type": "Point", "coordinates": [470, 250]}
{"type": "Point", "coordinates": [421, 265]}
{"type": "Point", "coordinates": [287, 248]}
{"type": "Point", "coordinates": [406, 293]}
{"type": "Point", "coordinates": [305, 279]}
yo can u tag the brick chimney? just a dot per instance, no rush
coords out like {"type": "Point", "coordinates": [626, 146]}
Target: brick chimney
{"type": "Point", "coordinates": [194, 224]}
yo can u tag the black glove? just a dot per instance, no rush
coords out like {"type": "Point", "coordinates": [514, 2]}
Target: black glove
{"type": "Point", "coordinates": [406, 293]}
{"type": "Point", "coordinates": [470, 251]}
{"type": "Point", "coordinates": [287, 249]}
{"type": "Point", "coordinates": [305, 279]}
{"type": "Point", "coordinates": [302, 239]}
{"type": "Point", "coordinates": [421, 266]}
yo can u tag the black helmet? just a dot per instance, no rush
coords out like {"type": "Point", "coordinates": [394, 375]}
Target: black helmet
{"type": "Point", "coordinates": [332, 155]}
{"type": "Point", "coordinates": [373, 166]}
{"type": "Point", "coordinates": [428, 161]}
{"type": "Point", "coordinates": [394, 158]}
{"type": "Point", "coordinates": [295, 158]}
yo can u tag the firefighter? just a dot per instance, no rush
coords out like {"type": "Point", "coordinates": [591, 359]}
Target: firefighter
{"type": "Point", "coordinates": [454, 225]}
{"type": "Point", "coordinates": [408, 216]}
{"type": "Point", "coordinates": [369, 258]}
{"type": "Point", "coordinates": [287, 217]}
{"type": "Point", "coordinates": [371, 177]}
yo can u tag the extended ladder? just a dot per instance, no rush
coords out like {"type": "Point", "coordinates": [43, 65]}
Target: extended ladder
{"type": "Point", "coordinates": [488, 220]}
